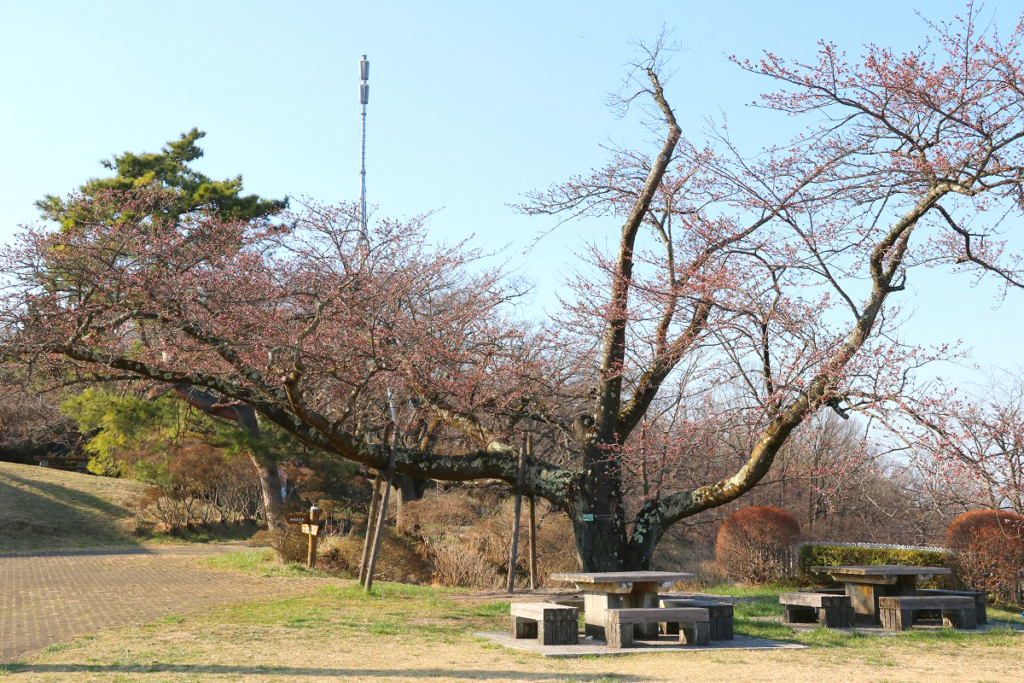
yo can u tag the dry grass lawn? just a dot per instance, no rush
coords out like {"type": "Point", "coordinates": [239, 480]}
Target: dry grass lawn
{"type": "Point", "coordinates": [409, 633]}
{"type": "Point", "coordinates": [43, 509]}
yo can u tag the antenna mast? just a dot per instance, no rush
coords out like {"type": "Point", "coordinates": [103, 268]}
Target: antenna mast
{"type": "Point", "coordinates": [364, 97]}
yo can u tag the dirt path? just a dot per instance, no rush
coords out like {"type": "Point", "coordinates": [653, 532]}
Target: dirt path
{"type": "Point", "coordinates": [52, 597]}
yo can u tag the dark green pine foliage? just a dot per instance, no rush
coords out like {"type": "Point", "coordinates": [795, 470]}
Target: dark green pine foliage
{"type": "Point", "coordinates": [169, 170]}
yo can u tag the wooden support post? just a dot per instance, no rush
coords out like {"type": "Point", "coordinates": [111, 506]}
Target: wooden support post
{"type": "Point", "coordinates": [382, 515]}
{"type": "Point", "coordinates": [533, 544]}
{"type": "Point", "coordinates": [371, 524]}
{"type": "Point", "coordinates": [533, 523]}
{"type": "Point", "coordinates": [515, 519]}
{"type": "Point", "coordinates": [314, 521]}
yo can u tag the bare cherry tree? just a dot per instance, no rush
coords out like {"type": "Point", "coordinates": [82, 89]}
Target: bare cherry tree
{"type": "Point", "coordinates": [776, 269]}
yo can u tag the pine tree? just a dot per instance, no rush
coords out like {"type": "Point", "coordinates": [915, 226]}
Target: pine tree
{"type": "Point", "coordinates": [170, 170]}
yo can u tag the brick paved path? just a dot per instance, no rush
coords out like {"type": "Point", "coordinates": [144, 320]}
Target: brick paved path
{"type": "Point", "coordinates": [48, 598]}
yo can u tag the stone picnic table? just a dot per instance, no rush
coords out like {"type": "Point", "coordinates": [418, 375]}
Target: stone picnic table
{"type": "Point", "coordinates": [866, 584]}
{"type": "Point", "coordinates": [616, 590]}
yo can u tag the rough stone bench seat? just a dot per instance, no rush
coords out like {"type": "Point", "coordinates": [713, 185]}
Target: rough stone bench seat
{"type": "Point", "coordinates": [979, 598]}
{"type": "Point", "coordinates": [692, 623]}
{"type": "Point", "coordinates": [549, 624]}
{"type": "Point", "coordinates": [826, 609]}
{"type": "Point", "coordinates": [720, 614]}
{"type": "Point", "coordinates": [576, 601]}
{"type": "Point", "coordinates": [897, 612]}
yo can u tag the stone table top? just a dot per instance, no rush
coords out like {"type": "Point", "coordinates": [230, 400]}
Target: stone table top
{"type": "Point", "coordinates": [882, 570]}
{"type": "Point", "coordinates": [623, 577]}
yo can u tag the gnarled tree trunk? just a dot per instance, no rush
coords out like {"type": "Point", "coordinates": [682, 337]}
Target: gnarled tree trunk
{"type": "Point", "coordinates": [245, 417]}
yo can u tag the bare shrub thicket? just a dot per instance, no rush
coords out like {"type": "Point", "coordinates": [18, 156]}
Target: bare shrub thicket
{"type": "Point", "coordinates": [756, 544]}
{"type": "Point", "coordinates": [289, 543]}
{"type": "Point", "coordinates": [401, 558]}
{"type": "Point", "coordinates": [31, 423]}
{"type": "Point", "coordinates": [454, 566]}
{"type": "Point", "coordinates": [987, 552]}
{"type": "Point", "coordinates": [467, 535]}
{"type": "Point", "coordinates": [200, 485]}
{"type": "Point", "coordinates": [684, 550]}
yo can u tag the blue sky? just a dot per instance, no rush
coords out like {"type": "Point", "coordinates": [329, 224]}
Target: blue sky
{"type": "Point", "coordinates": [471, 105]}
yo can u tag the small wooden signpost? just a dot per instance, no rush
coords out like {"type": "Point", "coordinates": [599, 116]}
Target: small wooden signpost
{"type": "Point", "coordinates": [310, 524]}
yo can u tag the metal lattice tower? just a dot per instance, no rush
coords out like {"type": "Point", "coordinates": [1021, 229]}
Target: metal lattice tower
{"type": "Point", "coordinates": [364, 97]}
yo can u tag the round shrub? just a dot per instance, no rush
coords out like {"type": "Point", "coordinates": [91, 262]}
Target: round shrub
{"type": "Point", "coordinates": [986, 552]}
{"type": "Point", "coordinates": [755, 544]}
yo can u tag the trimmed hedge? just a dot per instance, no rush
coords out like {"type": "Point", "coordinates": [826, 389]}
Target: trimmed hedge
{"type": "Point", "coordinates": [823, 555]}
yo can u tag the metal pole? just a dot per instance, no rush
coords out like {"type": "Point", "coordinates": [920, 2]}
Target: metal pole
{"type": "Point", "coordinates": [515, 520]}
{"type": "Point", "coordinates": [364, 98]}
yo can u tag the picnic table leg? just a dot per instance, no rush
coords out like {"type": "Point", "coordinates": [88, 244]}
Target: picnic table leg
{"type": "Point", "coordinates": [619, 635]}
{"type": "Point", "coordinates": [864, 599]}
{"type": "Point", "coordinates": [645, 596]}
{"type": "Point", "coordinates": [594, 607]}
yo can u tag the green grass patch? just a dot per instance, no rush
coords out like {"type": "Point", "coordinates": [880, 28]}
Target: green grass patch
{"type": "Point", "coordinates": [743, 591]}
{"type": "Point", "coordinates": [261, 562]}
{"type": "Point", "coordinates": [1010, 615]}
{"type": "Point", "coordinates": [754, 601]}
{"type": "Point", "coordinates": [772, 630]}
{"type": "Point", "coordinates": [340, 611]}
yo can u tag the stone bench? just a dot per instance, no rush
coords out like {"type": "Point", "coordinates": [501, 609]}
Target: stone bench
{"type": "Point", "coordinates": [549, 624]}
{"type": "Point", "coordinates": [897, 612]}
{"type": "Point", "coordinates": [692, 623]}
{"type": "Point", "coordinates": [825, 609]}
{"type": "Point", "coordinates": [720, 614]}
{"type": "Point", "coordinates": [979, 598]}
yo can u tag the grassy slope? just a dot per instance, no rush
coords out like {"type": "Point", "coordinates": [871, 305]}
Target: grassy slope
{"type": "Point", "coordinates": [41, 508]}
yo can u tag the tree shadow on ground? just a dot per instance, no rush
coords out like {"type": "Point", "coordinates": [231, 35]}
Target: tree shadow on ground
{"type": "Point", "coordinates": [215, 669]}
{"type": "Point", "coordinates": [79, 498]}
{"type": "Point", "coordinates": [39, 515]}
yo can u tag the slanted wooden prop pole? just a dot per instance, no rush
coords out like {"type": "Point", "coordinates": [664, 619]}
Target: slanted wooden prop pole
{"type": "Point", "coordinates": [533, 523]}
{"type": "Point", "coordinates": [371, 523]}
{"type": "Point", "coordinates": [515, 518]}
{"type": "Point", "coordinates": [382, 515]}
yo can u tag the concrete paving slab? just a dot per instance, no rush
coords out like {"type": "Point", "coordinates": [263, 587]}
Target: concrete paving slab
{"type": "Point", "coordinates": [587, 648]}
{"type": "Point", "coordinates": [924, 625]}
